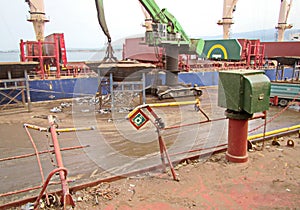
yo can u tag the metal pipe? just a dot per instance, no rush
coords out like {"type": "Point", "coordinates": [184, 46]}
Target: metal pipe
{"type": "Point", "coordinates": [60, 130]}
{"type": "Point", "coordinates": [38, 159]}
{"type": "Point", "coordinates": [42, 152]}
{"type": "Point", "coordinates": [278, 131]}
{"type": "Point", "coordinates": [29, 189]}
{"type": "Point", "coordinates": [62, 170]}
{"type": "Point", "coordinates": [162, 146]}
{"type": "Point", "coordinates": [66, 197]}
{"type": "Point", "coordinates": [19, 191]}
{"type": "Point", "coordinates": [64, 130]}
{"type": "Point", "coordinates": [35, 127]}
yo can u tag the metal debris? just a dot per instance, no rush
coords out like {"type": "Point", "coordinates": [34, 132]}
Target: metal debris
{"type": "Point", "coordinates": [65, 105]}
{"type": "Point", "coordinates": [88, 100]}
{"type": "Point", "coordinates": [94, 173]}
{"type": "Point", "coordinates": [275, 143]}
{"type": "Point", "coordinates": [105, 191]}
{"type": "Point", "coordinates": [27, 206]}
{"type": "Point", "coordinates": [103, 111]}
{"type": "Point", "coordinates": [85, 110]}
{"type": "Point", "coordinates": [290, 143]}
{"type": "Point", "coordinates": [131, 189]}
{"type": "Point", "coordinates": [295, 107]}
{"type": "Point", "coordinates": [53, 202]}
{"type": "Point", "coordinates": [60, 108]}
{"type": "Point", "coordinates": [55, 110]}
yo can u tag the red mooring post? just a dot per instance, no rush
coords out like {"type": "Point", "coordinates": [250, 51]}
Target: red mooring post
{"type": "Point", "coordinates": [237, 136]}
{"type": "Point", "coordinates": [237, 141]}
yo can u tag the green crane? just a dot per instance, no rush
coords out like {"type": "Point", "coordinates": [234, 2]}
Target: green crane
{"type": "Point", "coordinates": [166, 32]}
{"type": "Point", "coordinates": [175, 32]}
{"type": "Point", "coordinates": [166, 29]}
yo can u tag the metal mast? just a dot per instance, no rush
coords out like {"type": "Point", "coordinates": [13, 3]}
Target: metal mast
{"type": "Point", "coordinates": [282, 20]}
{"type": "Point", "coordinates": [228, 9]}
{"type": "Point", "coordinates": [37, 17]}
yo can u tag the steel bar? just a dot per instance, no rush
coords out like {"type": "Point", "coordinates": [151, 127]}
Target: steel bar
{"type": "Point", "coordinates": [42, 152]}
{"type": "Point", "coordinates": [19, 191]}
{"type": "Point", "coordinates": [205, 115]}
{"type": "Point", "coordinates": [28, 189]}
{"type": "Point", "coordinates": [38, 159]}
{"type": "Point", "coordinates": [66, 197]}
{"type": "Point", "coordinates": [63, 130]}
{"type": "Point", "coordinates": [35, 127]}
{"type": "Point", "coordinates": [27, 91]}
{"type": "Point", "coordinates": [11, 99]}
{"type": "Point", "coordinates": [60, 130]}
{"type": "Point", "coordinates": [195, 123]}
{"type": "Point", "coordinates": [60, 170]}
{"type": "Point", "coordinates": [162, 146]}
{"type": "Point", "coordinates": [161, 150]}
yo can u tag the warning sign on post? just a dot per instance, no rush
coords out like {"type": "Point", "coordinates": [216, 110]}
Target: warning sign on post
{"type": "Point", "coordinates": [138, 119]}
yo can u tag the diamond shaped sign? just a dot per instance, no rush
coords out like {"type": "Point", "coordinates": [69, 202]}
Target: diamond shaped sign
{"type": "Point", "coordinates": [138, 119]}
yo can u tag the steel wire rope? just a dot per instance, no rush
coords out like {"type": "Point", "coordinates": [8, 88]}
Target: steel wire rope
{"type": "Point", "coordinates": [276, 115]}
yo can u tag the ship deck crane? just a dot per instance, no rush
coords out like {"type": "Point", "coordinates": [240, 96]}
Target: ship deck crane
{"type": "Point", "coordinates": [167, 33]}
{"type": "Point", "coordinates": [229, 7]}
{"type": "Point", "coordinates": [285, 7]}
{"type": "Point", "coordinates": [37, 17]}
{"type": "Point", "coordinates": [166, 29]}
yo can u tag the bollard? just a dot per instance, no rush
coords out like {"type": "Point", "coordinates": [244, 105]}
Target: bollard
{"type": "Point", "coordinates": [237, 144]}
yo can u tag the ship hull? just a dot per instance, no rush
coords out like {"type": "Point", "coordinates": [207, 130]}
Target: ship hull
{"type": "Point", "coordinates": [54, 89]}
{"type": "Point", "coordinates": [43, 90]}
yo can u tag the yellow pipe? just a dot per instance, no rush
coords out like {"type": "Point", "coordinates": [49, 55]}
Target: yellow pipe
{"type": "Point", "coordinates": [35, 127]}
{"type": "Point", "coordinates": [61, 130]}
{"type": "Point", "coordinates": [38, 128]}
{"type": "Point", "coordinates": [295, 127]}
{"type": "Point", "coordinates": [172, 104]}
{"type": "Point", "coordinates": [160, 105]}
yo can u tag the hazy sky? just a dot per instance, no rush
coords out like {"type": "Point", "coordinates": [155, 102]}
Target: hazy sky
{"type": "Point", "coordinates": [77, 19]}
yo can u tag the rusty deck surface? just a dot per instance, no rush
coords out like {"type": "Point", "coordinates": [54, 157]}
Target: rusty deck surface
{"type": "Point", "coordinates": [115, 147]}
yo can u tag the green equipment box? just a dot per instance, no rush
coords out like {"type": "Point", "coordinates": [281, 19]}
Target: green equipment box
{"type": "Point", "coordinates": [244, 90]}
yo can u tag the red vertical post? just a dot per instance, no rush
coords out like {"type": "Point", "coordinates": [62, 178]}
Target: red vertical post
{"type": "Point", "coordinates": [66, 199]}
{"type": "Point", "coordinates": [41, 59]}
{"type": "Point", "coordinates": [162, 145]}
{"type": "Point", "coordinates": [56, 51]}
{"type": "Point", "coordinates": [22, 50]}
{"type": "Point", "coordinates": [161, 149]}
{"type": "Point", "coordinates": [237, 141]}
